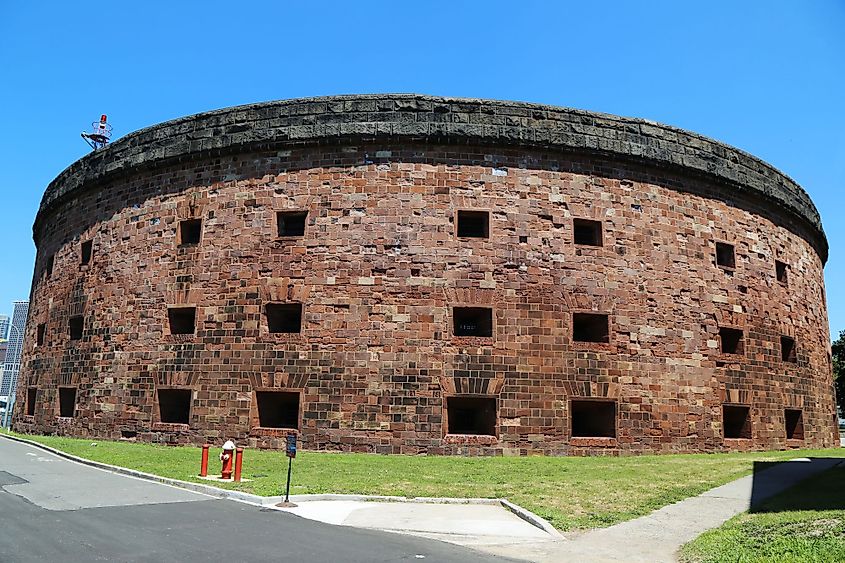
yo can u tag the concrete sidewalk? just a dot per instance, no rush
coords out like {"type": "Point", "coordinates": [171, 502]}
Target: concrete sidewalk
{"type": "Point", "coordinates": [473, 525]}
{"type": "Point", "coordinates": [658, 536]}
{"type": "Point", "coordinates": [490, 528]}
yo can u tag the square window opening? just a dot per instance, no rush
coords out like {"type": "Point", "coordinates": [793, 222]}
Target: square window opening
{"type": "Point", "coordinates": [87, 250]}
{"type": "Point", "coordinates": [587, 232]}
{"type": "Point", "coordinates": [278, 409]}
{"type": "Point", "coordinates": [190, 231]}
{"type": "Point", "coordinates": [590, 327]}
{"type": "Point", "coordinates": [40, 333]}
{"type": "Point", "coordinates": [794, 421]}
{"type": "Point", "coordinates": [284, 317]}
{"type": "Point", "coordinates": [76, 324]}
{"type": "Point", "coordinates": [291, 223]}
{"type": "Point", "coordinates": [787, 349]}
{"type": "Point", "coordinates": [174, 406]}
{"type": "Point", "coordinates": [781, 271]}
{"type": "Point", "coordinates": [731, 340]}
{"type": "Point", "coordinates": [67, 402]}
{"type": "Point", "coordinates": [593, 419]}
{"type": "Point", "coordinates": [30, 400]}
{"type": "Point", "coordinates": [471, 415]}
{"type": "Point", "coordinates": [474, 224]}
{"type": "Point", "coordinates": [725, 256]}
{"type": "Point", "coordinates": [473, 321]}
{"type": "Point", "coordinates": [182, 320]}
{"type": "Point", "coordinates": [736, 421]}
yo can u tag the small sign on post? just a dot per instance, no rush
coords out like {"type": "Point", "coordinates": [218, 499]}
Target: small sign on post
{"type": "Point", "coordinates": [290, 451]}
{"type": "Point", "coordinates": [290, 448]}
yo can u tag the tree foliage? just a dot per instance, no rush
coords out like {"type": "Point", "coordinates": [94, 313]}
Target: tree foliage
{"type": "Point", "coordinates": [838, 353]}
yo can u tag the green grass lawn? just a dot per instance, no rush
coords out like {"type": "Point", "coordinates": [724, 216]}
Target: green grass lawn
{"type": "Point", "coordinates": [571, 492]}
{"type": "Point", "coordinates": [804, 524]}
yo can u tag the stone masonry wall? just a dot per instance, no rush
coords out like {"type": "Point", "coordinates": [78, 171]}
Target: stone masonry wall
{"type": "Point", "coordinates": [378, 271]}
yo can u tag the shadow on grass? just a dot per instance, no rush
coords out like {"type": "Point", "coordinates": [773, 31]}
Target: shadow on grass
{"type": "Point", "coordinates": [791, 486]}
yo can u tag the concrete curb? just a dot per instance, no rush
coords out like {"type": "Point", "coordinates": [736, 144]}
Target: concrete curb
{"type": "Point", "coordinates": [261, 501]}
{"type": "Point", "coordinates": [532, 518]}
{"type": "Point", "coordinates": [384, 498]}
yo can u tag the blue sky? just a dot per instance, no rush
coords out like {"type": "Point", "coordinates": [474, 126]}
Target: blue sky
{"type": "Point", "coordinates": [765, 76]}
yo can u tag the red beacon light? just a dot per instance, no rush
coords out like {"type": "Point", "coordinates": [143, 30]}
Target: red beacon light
{"type": "Point", "coordinates": [100, 133]}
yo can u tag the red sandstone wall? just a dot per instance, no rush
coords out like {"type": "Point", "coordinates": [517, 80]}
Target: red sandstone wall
{"type": "Point", "coordinates": [377, 272]}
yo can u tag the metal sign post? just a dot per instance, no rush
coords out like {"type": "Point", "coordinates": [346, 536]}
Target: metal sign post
{"type": "Point", "coordinates": [290, 451]}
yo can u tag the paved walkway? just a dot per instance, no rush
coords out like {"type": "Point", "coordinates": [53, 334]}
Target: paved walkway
{"type": "Point", "coordinates": [657, 536]}
{"type": "Point", "coordinates": [473, 525]}
{"type": "Point", "coordinates": [652, 538]}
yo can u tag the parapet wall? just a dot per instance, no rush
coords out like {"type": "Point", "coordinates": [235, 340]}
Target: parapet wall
{"type": "Point", "coordinates": [413, 117]}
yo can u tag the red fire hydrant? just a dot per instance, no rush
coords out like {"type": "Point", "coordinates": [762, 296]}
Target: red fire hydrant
{"type": "Point", "coordinates": [226, 457]}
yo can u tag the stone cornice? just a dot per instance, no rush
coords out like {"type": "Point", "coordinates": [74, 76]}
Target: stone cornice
{"type": "Point", "coordinates": [420, 118]}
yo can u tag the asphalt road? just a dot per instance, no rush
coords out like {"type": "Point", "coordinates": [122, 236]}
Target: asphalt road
{"type": "Point", "coordinates": [52, 509]}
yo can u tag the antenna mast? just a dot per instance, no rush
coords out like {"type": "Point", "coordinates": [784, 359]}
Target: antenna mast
{"type": "Point", "coordinates": [99, 135]}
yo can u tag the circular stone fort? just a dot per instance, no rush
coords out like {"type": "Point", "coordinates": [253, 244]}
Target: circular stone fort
{"type": "Point", "coordinates": [416, 274]}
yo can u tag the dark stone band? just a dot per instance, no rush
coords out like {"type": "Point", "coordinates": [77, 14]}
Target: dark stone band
{"type": "Point", "coordinates": [413, 117]}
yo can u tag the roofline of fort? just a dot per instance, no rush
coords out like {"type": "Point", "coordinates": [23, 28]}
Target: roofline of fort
{"type": "Point", "coordinates": [432, 119]}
